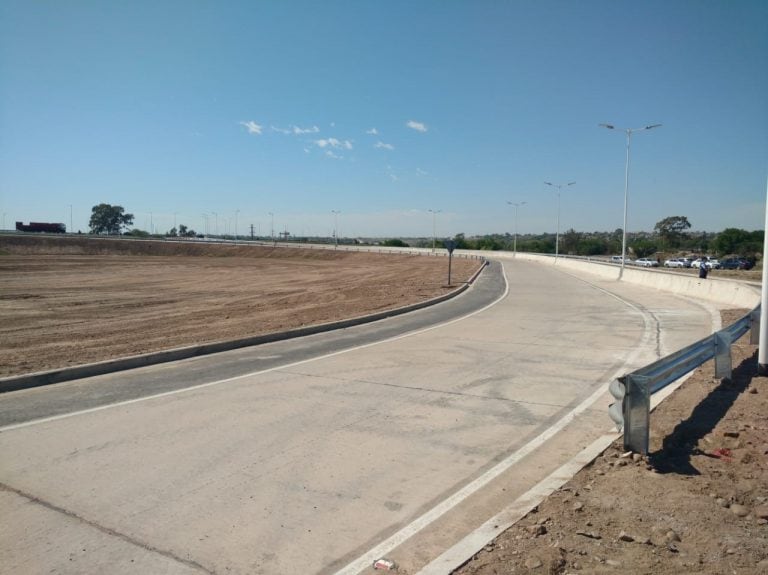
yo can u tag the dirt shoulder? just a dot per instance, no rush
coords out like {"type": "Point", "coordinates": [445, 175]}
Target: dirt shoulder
{"type": "Point", "coordinates": [71, 301]}
{"type": "Point", "coordinates": [697, 504]}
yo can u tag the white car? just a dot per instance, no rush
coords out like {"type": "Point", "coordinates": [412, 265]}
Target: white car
{"type": "Point", "coordinates": [711, 263]}
{"type": "Point", "coordinates": [646, 263]}
{"type": "Point", "coordinates": [674, 263]}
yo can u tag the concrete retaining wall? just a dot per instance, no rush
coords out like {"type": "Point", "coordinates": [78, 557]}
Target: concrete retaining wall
{"type": "Point", "coordinates": [724, 292]}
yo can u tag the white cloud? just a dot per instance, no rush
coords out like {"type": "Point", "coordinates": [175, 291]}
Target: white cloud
{"type": "Point", "coordinates": [384, 146]}
{"type": "Point", "coordinates": [372, 132]}
{"type": "Point", "coordinates": [421, 172]}
{"type": "Point", "coordinates": [252, 127]}
{"type": "Point", "coordinates": [418, 126]}
{"type": "Point", "coordinates": [296, 130]}
{"type": "Point", "coordinates": [312, 130]}
{"type": "Point", "coordinates": [330, 154]}
{"type": "Point", "coordinates": [334, 143]}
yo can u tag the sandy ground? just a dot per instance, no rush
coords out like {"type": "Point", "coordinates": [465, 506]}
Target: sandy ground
{"type": "Point", "coordinates": [697, 504]}
{"type": "Point", "coordinates": [69, 301]}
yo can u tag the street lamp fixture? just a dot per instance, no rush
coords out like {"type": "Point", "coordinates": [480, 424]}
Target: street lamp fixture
{"type": "Point", "coordinates": [272, 227]}
{"type": "Point", "coordinates": [557, 237]}
{"type": "Point", "coordinates": [517, 205]}
{"type": "Point", "coordinates": [629, 132]}
{"type": "Point", "coordinates": [434, 227]}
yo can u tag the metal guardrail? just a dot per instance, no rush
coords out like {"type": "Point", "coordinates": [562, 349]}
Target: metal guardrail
{"type": "Point", "coordinates": [631, 411]}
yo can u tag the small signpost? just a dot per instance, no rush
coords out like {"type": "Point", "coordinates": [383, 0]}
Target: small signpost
{"type": "Point", "coordinates": [450, 245]}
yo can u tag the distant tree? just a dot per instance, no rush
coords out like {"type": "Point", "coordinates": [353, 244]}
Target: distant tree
{"type": "Point", "coordinates": [137, 233]}
{"type": "Point", "coordinates": [737, 241]}
{"type": "Point", "coordinates": [671, 230]}
{"type": "Point", "coordinates": [461, 242]}
{"type": "Point", "coordinates": [395, 243]}
{"type": "Point", "coordinates": [108, 219]}
{"type": "Point", "coordinates": [592, 247]}
{"type": "Point", "coordinates": [569, 241]}
{"type": "Point", "coordinates": [172, 233]}
{"type": "Point", "coordinates": [540, 245]}
{"type": "Point", "coordinates": [643, 248]}
{"type": "Point", "coordinates": [489, 243]}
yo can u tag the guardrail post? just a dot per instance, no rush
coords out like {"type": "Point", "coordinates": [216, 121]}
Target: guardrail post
{"type": "Point", "coordinates": [754, 332]}
{"type": "Point", "coordinates": [637, 413]}
{"type": "Point", "coordinates": [722, 355]}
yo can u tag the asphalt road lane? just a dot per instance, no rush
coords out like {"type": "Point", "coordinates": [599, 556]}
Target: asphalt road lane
{"type": "Point", "coordinates": [304, 467]}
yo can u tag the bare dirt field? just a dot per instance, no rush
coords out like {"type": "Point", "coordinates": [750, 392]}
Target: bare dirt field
{"type": "Point", "coordinates": [69, 301]}
{"type": "Point", "coordinates": [697, 504]}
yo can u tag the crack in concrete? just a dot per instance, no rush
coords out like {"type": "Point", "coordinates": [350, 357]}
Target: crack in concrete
{"type": "Point", "coordinates": [106, 530]}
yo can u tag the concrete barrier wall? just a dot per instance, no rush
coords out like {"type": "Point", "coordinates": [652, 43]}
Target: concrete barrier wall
{"type": "Point", "coordinates": [722, 291]}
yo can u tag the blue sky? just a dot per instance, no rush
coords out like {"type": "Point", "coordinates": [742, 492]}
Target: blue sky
{"type": "Point", "coordinates": [384, 110]}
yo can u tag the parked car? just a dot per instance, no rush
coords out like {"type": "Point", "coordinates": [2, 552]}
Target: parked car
{"type": "Point", "coordinates": [646, 263]}
{"type": "Point", "coordinates": [674, 263]}
{"type": "Point", "coordinates": [686, 262]}
{"type": "Point", "coordinates": [617, 260]}
{"type": "Point", "coordinates": [711, 263]}
{"type": "Point", "coordinates": [736, 264]}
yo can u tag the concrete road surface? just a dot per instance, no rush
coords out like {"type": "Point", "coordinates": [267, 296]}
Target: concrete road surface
{"type": "Point", "coordinates": [319, 463]}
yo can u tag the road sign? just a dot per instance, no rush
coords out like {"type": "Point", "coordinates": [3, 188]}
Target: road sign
{"type": "Point", "coordinates": [450, 245]}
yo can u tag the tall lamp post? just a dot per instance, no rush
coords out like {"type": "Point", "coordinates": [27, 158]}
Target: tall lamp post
{"type": "Point", "coordinates": [272, 228]}
{"type": "Point", "coordinates": [335, 228]}
{"type": "Point", "coordinates": [517, 205]}
{"type": "Point", "coordinates": [557, 237]}
{"type": "Point", "coordinates": [434, 226]}
{"type": "Point", "coordinates": [629, 132]}
{"type": "Point", "coordinates": [236, 212]}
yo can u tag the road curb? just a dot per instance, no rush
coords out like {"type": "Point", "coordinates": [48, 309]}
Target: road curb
{"type": "Point", "coordinates": [41, 378]}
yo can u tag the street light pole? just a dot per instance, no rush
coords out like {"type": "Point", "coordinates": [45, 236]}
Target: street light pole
{"type": "Point", "coordinates": [434, 227]}
{"type": "Point", "coordinates": [557, 236]}
{"type": "Point", "coordinates": [236, 212]}
{"type": "Point", "coordinates": [629, 132]}
{"type": "Point", "coordinates": [517, 205]}
{"type": "Point", "coordinates": [335, 228]}
{"type": "Point", "coordinates": [272, 233]}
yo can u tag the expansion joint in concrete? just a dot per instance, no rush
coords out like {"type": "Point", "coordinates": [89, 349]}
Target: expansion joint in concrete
{"type": "Point", "coordinates": [103, 529]}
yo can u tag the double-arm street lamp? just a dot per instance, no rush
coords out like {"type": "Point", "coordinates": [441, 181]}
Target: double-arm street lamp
{"type": "Point", "coordinates": [629, 132]}
{"type": "Point", "coordinates": [272, 227]}
{"type": "Point", "coordinates": [434, 226]}
{"type": "Point", "coordinates": [517, 205]}
{"type": "Point", "coordinates": [557, 237]}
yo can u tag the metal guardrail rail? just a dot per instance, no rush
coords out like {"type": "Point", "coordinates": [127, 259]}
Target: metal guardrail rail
{"type": "Point", "coordinates": [631, 411]}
